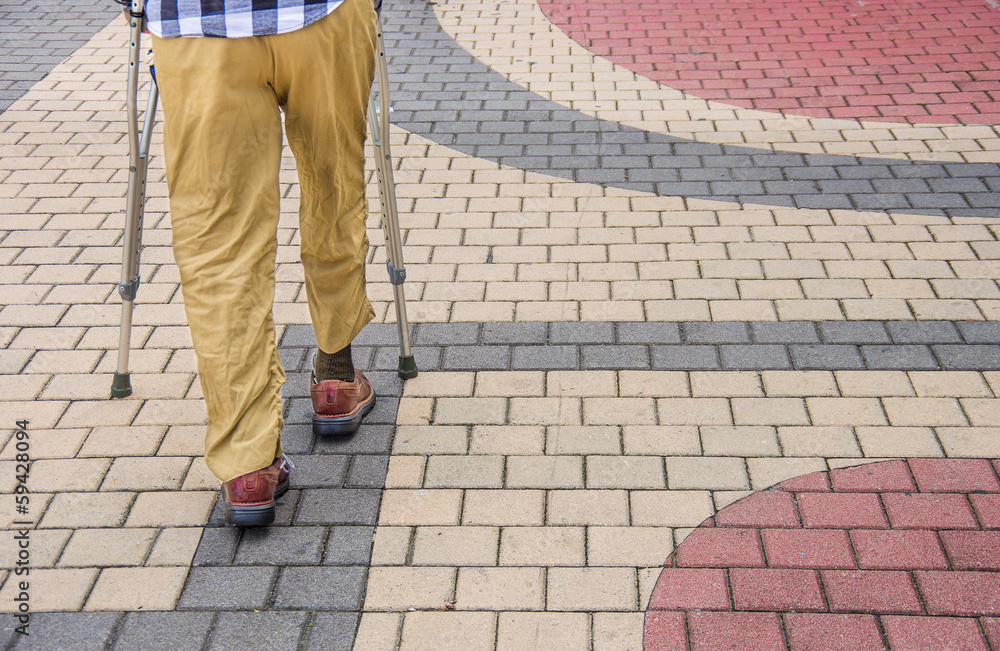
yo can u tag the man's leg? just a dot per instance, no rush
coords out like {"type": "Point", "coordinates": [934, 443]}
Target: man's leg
{"type": "Point", "coordinates": [323, 79]}
{"type": "Point", "coordinates": [222, 137]}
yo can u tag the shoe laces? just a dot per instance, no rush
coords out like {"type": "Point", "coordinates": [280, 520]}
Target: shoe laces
{"type": "Point", "coordinates": [286, 463]}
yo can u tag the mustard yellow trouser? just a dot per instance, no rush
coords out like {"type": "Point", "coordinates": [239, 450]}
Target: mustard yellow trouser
{"type": "Point", "coordinates": [222, 141]}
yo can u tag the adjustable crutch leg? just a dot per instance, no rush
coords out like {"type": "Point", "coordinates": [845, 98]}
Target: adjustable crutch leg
{"type": "Point", "coordinates": [378, 118]}
{"type": "Point", "coordinates": [121, 386]}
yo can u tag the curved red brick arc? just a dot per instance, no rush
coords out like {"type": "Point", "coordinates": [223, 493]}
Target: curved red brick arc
{"type": "Point", "coordinates": [896, 60]}
{"type": "Point", "coordinates": [893, 555]}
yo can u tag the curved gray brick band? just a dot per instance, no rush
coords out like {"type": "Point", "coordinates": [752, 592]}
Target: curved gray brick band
{"type": "Point", "coordinates": [36, 36]}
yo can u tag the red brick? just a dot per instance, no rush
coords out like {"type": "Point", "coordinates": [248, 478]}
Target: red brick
{"type": "Point", "coordinates": [898, 550]}
{"type": "Point", "coordinates": [954, 475]}
{"type": "Point", "coordinates": [882, 477]}
{"type": "Point", "coordinates": [929, 511]}
{"type": "Point", "coordinates": [823, 632]}
{"type": "Point", "coordinates": [721, 547]}
{"type": "Point", "coordinates": [813, 482]}
{"type": "Point", "coordinates": [778, 590]}
{"type": "Point", "coordinates": [807, 548]}
{"type": "Point", "coordinates": [960, 593]}
{"type": "Point", "coordinates": [664, 631]}
{"type": "Point", "coordinates": [757, 631]}
{"type": "Point", "coordinates": [690, 589]}
{"type": "Point", "coordinates": [845, 510]}
{"type": "Point", "coordinates": [764, 509]}
{"type": "Point", "coordinates": [973, 550]}
{"type": "Point", "coordinates": [940, 633]}
{"type": "Point", "coordinates": [991, 625]}
{"type": "Point", "coordinates": [871, 591]}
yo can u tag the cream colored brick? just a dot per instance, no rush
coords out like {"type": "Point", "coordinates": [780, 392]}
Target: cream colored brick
{"type": "Point", "coordinates": [694, 411]}
{"type": "Point", "coordinates": [592, 588]}
{"type": "Point", "coordinates": [945, 309]}
{"type": "Point", "coordinates": [657, 384]}
{"type": "Point", "coordinates": [742, 310]}
{"type": "Point", "coordinates": [864, 384]}
{"type": "Point", "coordinates": [940, 384]}
{"type": "Point", "coordinates": [138, 473]}
{"type": "Point", "coordinates": [740, 441]}
{"type": "Point", "coordinates": [765, 473]}
{"type": "Point", "coordinates": [504, 507]}
{"type": "Point", "coordinates": [624, 472]}
{"type": "Point", "coordinates": [507, 439]}
{"type": "Point", "coordinates": [507, 384]}
{"type": "Point", "coordinates": [898, 442]}
{"type": "Point", "coordinates": [175, 547]}
{"type": "Point", "coordinates": [46, 545]}
{"type": "Point", "coordinates": [818, 442]}
{"type": "Point", "coordinates": [402, 588]}
{"type": "Point", "coordinates": [542, 546]}
{"type": "Point", "coordinates": [469, 411]}
{"type": "Point", "coordinates": [87, 413]}
{"type": "Point", "coordinates": [438, 631]}
{"type": "Point", "coordinates": [61, 475]}
{"type": "Point", "coordinates": [500, 588]}
{"type": "Point", "coordinates": [712, 473]}
{"type": "Point", "coordinates": [809, 310]}
{"type": "Point", "coordinates": [545, 411]}
{"type": "Point", "coordinates": [180, 440]}
{"type": "Point", "coordinates": [882, 309]}
{"type": "Point", "coordinates": [845, 411]}
{"type": "Point", "coordinates": [923, 411]}
{"type": "Point", "coordinates": [480, 471]}
{"type": "Point", "coordinates": [619, 411]}
{"type": "Point", "coordinates": [48, 444]}
{"type": "Point", "coordinates": [51, 590]}
{"type": "Point", "coordinates": [905, 288]}
{"type": "Point", "coordinates": [463, 546]}
{"type": "Point", "coordinates": [582, 440]}
{"type": "Point", "coordinates": [693, 310]}
{"type": "Point", "coordinates": [544, 472]}
{"type": "Point", "coordinates": [662, 440]}
{"type": "Point", "coordinates": [769, 289]}
{"type": "Point", "coordinates": [552, 631]}
{"type": "Point", "coordinates": [79, 510]}
{"type": "Point", "coordinates": [673, 508]}
{"type": "Point", "coordinates": [430, 439]}
{"type": "Point", "coordinates": [769, 411]}
{"type": "Point", "coordinates": [628, 546]}
{"type": "Point", "coordinates": [725, 384]}
{"type": "Point", "coordinates": [581, 383]}
{"type": "Point", "coordinates": [619, 631]}
{"type": "Point", "coordinates": [798, 383]}
{"type": "Point", "coordinates": [391, 545]}
{"type": "Point", "coordinates": [970, 441]}
{"type": "Point", "coordinates": [107, 547]}
{"type": "Point", "coordinates": [171, 509]}
{"type": "Point", "coordinates": [588, 507]}
{"type": "Point", "coordinates": [720, 288]}
{"type": "Point", "coordinates": [982, 412]}
{"type": "Point", "coordinates": [431, 384]}
{"type": "Point", "coordinates": [965, 288]}
{"type": "Point", "coordinates": [137, 588]}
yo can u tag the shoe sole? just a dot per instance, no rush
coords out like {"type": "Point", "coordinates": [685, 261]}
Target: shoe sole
{"type": "Point", "coordinates": [254, 516]}
{"type": "Point", "coordinates": [342, 425]}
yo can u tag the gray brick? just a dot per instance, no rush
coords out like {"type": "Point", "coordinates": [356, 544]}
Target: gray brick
{"type": "Point", "coordinates": [884, 201]}
{"type": "Point", "coordinates": [787, 332]}
{"type": "Point", "coordinates": [318, 471]}
{"type": "Point", "coordinates": [754, 357]}
{"type": "Point", "coordinates": [427, 358]}
{"type": "Point", "coordinates": [343, 506]}
{"type": "Point", "coordinates": [648, 333]}
{"type": "Point", "coordinates": [980, 332]}
{"type": "Point", "coordinates": [527, 358]}
{"type": "Point", "coordinates": [723, 332]}
{"type": "Point", "coordinates": [294, 359]}
{"type": "Point", "coordinates": [476, 358]}
{"type": "Point", "coordinates": [349, 546]}
{"type": "Point", "coordinates": [899, 357]}
{"type": "Point", "coordinates": [514, 333]}
{"type": "Point", "coordinates": [581, 333]}
{"type": "Point", "coordinates": [923, 332]}
{"type": "Point", "coordinates": [979, 357]}
{"type": "Point", "coordinates": [853, 332]}
{"type": "Point", "coordinates": [332, 632]}
{"type": "Point", "coordinates": [67, 631]}
{"type": "Point", "coordinates": [685, 358]}
{"type": "Point", "coordinates": [320, 588]}
{"type": "Point", "coordinates": [299, 336]}
{"type": "Point", "coordinates": [281, 546]}
{"type": "Point", "coordinates": [218, 544]}
{"type": "Point", "coordinates": [615, 357]}
{"type": "Point", "coordinates": [163, 631]}
{"type": "Point", "coordinates": [439, 334]}
{"type": "Point", "coordinates": [824, 201]}
{"type": "Point", "coordinates": [368, 471]}
{"type": "Point", "coordinates": [370, 439]}
{"type": "Point", "coordinates": [258, 631]}
{"type": "Point", "coordinates": [825, 357]}
{"type": "Point", "coordinates": [227, 588]}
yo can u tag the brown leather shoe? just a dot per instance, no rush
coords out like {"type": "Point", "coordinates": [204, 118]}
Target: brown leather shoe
{"type": "Point", "coordinates": [250, 497]}
{"type": "Point", "coordinates": [339, 406]}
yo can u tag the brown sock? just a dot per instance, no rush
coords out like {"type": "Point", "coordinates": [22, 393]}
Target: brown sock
{"type": "Point", "coordinates": [335, 366]}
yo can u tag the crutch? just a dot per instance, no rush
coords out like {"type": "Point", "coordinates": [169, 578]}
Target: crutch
{"type": "Point", "coordinates": [138, 158]}
{"type": "Point", "coordinates": [378, 120]}
{"type": "Point", "coordinates": [135, 199]}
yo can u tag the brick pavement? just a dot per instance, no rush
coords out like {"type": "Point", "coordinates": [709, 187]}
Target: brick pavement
{"type": "Point", "coordinates": [631, 308]}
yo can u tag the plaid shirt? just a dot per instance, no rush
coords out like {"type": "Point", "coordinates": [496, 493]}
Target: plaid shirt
{"type": "Point", "coordinates": [233, 18]}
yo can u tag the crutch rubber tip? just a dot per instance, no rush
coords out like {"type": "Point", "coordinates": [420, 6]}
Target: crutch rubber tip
{"type": "Point", "coordinates": [121, 386]}
{"type": "Point", "coordinates": [407, 367]}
